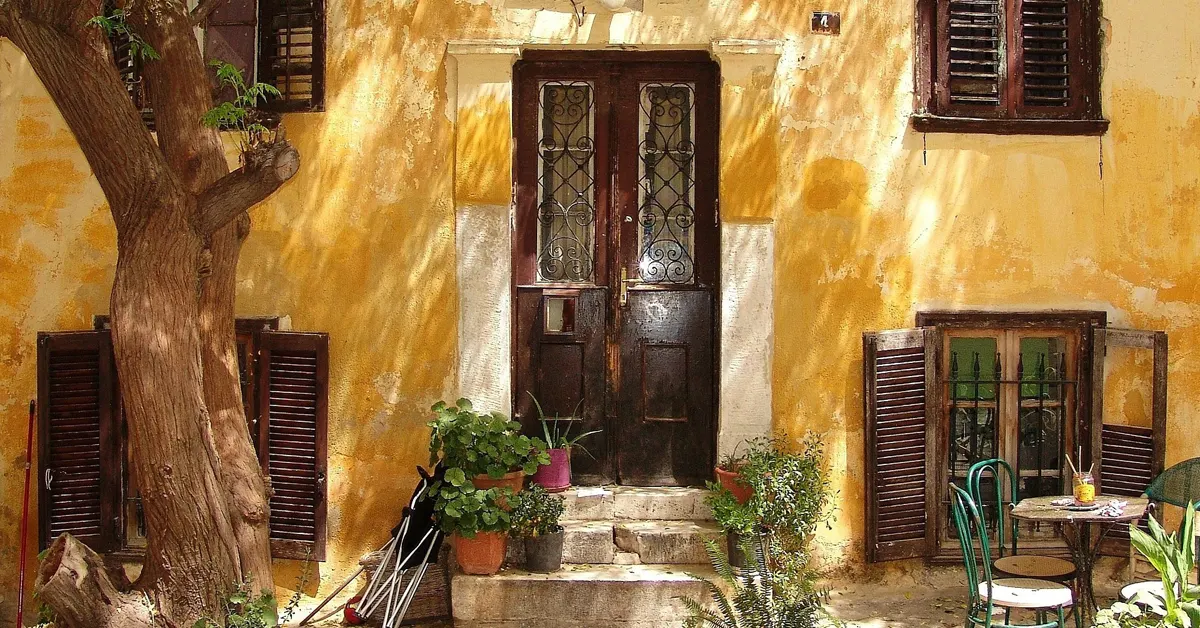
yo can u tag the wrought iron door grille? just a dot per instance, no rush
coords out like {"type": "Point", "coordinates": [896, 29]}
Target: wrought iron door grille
{"type": "Point", "coordinates": [666, 203]}
{"type": "Point", "coordinates": [566, 237]}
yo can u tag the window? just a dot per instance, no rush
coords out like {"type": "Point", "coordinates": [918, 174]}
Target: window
{"type": "Point", "coordinates": [1024, 387]}
{"type": "Point", "coordinates": [1008, 66]}
{"type": "Point", "coordinates": [86, 486]}
{"type": "Point", "coordinates": [279, 42]}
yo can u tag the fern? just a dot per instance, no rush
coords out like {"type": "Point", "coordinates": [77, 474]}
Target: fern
{"type": "Point", "coordinates": [240, 114]}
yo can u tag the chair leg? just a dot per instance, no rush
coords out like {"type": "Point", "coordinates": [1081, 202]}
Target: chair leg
{"type": "Point", "coordinates": [1062, 618]}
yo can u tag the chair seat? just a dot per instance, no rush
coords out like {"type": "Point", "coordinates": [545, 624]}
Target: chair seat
{"type": "Point", "coordinates": [1031, 566]}
{"type": "Point", "coordinates": [1130, 590]}
{"type": "Point", "coordinates": [1027, 593]}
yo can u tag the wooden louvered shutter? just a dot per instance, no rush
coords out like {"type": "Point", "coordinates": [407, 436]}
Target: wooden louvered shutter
{"type": "Point", "coordinates": [900, 399]}
{"type": "Point", "coordinates": [293, 375]}
{"type": "Point", "coordinates": [230, 35]}
{"type": "Point", "coordinates": [1130, 455]}
{"type": "Point", "coordinates": [292, 53]}
{"type": "Point", "coordinates": [970, 58]}
{"type": "Point", "coordinates": [78, 464]}
{"type": "Point", "coordinates": [1049, 58]}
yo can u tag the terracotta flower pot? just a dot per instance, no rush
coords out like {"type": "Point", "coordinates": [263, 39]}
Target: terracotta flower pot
{"type": "Point", "coordinates": [556, 476]}
{"type": "Point", "coordinates": [482, 555]}
{"type": "Point", "coordinates": [543, 554]}
{"type": "Point", "coordinates": [729, 480]}
{"type": "Point", "coordinates": [514, 480]}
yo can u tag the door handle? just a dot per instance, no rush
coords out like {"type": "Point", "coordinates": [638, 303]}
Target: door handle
{"type": "Point", "coordinates": [625, 283]}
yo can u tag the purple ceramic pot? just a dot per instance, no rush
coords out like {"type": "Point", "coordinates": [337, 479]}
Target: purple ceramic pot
{"type": "Point", "coordinates": [556, 476]}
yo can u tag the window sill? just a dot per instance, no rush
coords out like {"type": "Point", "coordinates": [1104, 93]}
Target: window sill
{"type": "Point", "coordinates": [927, 123]}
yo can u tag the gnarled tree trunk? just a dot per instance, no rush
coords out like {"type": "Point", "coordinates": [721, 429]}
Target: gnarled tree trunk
{"type": "Point", "coordinates": [180, 217]}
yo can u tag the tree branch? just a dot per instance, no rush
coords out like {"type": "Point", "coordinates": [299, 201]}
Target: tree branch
{"type": "Point", "coordinates": [74, 581]}
{"type": "Point", "coordinates": [203, 10]}
{"type": "Point", "coordinates": [245, 187]}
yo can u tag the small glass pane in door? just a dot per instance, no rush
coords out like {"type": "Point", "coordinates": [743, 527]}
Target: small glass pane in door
{"type": "Point", "coordinates": [666, 190]}
{"type": "Point", "coordinates": [566, 238]}
{"type": "Point", "coordinates": [1042, 442]}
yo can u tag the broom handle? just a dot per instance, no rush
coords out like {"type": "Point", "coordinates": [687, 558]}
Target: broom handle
{"type": "Point", "coordinates": [25, 515]}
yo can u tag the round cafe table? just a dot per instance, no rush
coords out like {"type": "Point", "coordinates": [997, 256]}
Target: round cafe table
{"type": "Point", "coordinates": [1083, 544]}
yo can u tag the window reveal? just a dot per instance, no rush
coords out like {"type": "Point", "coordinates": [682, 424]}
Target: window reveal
{"type": "Point", "coordinates": [566, 213]}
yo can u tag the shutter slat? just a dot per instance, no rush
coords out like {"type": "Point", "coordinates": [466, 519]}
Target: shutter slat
{"type": "Point", "coordinates": [292, 52]}
{"type": "Point", "coordinates": [895, 375]}
{"type": "Point", "coordinates": [973, 45]}
{"type": "Point", "coordinates": [1046, 53]}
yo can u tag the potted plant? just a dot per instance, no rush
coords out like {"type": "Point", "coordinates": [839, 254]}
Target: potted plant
{"type": "Point", "coordinates": [486, 459]}
{"type": "Point", "coordinates": [535, 517]}
{"type": "Point", "coordinates": [729, 476]}
{"type": "Point", "coordinates": [556, 476]}
{"type": "Point", "coordinates": [736, 519]}
{"type": "Point", "coordinates": [1176, 602]}
{"type": "Point", "coordinates": [489, 448]}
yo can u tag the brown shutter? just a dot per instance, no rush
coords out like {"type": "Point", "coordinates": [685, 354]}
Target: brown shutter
{"type": "Point", "coordinates": [292, 53]}
{"type": "Point", "coordinates": [1048, 53]}
{"type": "Point", "coordinates": [230, 35]}
{"type": "Point", "coordinates": [900, 398]}
{"type": "Point", "coordinates": [78, 467]}
{"type": "Point", "coordinates": [1130, 456]}
{"type": "Point", "coordinates": [293, 376]}
{"type": "Point", "coordinates": [970, 62]}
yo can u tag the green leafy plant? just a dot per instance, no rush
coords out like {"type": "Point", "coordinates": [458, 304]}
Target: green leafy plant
{"type": "Point", "coordinates": [240, 114]}
{"type": "Point", "coordinates": [479, 444]}
{"type": "Point", "coordinates": [115, 26]}
{"type": "Point", "coordinates": [1174, 557]}
{"type": "Point", "coordinates": [792, 495]}
{"type": "Point", "coordinates": [245, 610]}
{"type": "Point", "coordinates": [558, 437]}
{"type": "Point", "coordinates": [732, 462]}
{"type": "Point", "coordinates": [464, 510]}
{"type": "Point", "coordinates": [754, 597]}
{"type": "Point", "coordinates": [728, 513]}
{"type": "Point", "coordinates": [536, 512]}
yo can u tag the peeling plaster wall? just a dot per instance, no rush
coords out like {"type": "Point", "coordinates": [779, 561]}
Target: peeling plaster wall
{"type": "Point", "coordinates": [362, 243]}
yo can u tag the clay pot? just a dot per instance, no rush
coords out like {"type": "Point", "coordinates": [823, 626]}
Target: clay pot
{"type": "Point", "coordinates": [514, 480]}
{"type": "Point", "coordinates": [543, 554]}
{"type": "Point", "coordinates": [729, 480]}
{"type": "Point", "coordinates": [482, 555]}
{"type": "Point", "coordinates": [556, 476]}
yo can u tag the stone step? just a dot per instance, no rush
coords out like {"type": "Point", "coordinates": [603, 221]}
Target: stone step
{"type": "Point", "coordinates": [598, 503]}
{"type": "Point", "coordinates": [579, 596]}
{"type": "Point", "coordinates": [667, 542]}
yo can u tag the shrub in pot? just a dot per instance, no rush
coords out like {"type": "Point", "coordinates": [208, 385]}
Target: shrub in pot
{"type": "Point", "coordinates": [475, 519]}
{"type": "Point", "coordinates": [729, 476]}
{"type": "Point", "coordinates": [555, 476]}
{"type": "Point", "coordinates": [535, 515]}
{"type": "Point", "coordinates": [489, 448]}
{"type": "Point", "coordinates": [736, 519]}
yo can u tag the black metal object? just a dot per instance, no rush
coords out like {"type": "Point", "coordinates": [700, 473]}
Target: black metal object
{"type": "Point", "coordinates": [666, 211]}
{"type": "Point", "coordinates": [567, 184]}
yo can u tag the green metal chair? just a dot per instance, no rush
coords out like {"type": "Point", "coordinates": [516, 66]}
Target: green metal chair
{"type": "Point", "coordinates": [1178, 486]}
{"type": "Point", "coordinates": [1014, 564]}
{"type": "Point", "coordinates": [1047, 600]}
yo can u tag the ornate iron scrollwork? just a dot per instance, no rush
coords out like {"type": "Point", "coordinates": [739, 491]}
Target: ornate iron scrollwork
{"type": "Point", "coordinates": [567, 185]}
{"type": "Point", "coordinates": [666, 210]}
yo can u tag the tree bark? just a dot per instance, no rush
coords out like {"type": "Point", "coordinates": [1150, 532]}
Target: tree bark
{"type": "Point", "coordinates": [180, 217]}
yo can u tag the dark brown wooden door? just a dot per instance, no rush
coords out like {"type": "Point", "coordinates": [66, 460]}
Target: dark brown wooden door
{"type": "Point", "coordinates": [615, 259]}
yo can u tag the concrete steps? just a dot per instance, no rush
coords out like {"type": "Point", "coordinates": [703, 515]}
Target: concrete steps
{"type": "Point", "coordinates": [628, 553]}
{"type": "Point", "coordinates": [579, 596]}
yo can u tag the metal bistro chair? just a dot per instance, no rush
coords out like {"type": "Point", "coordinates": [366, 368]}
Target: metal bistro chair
{"type": "Point", "coordinates": [1178, 486]}
{"type": "Point", "coordinates": [1047, 600]}
{"type": "Point", "coordinates": [1014, 564]}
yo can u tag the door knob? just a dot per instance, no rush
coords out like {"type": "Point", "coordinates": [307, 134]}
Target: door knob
{"type": "Point", "coordinates": [625, 283]}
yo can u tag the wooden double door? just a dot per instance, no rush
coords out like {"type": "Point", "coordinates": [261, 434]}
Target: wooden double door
{"type": "Point", "coordinates": [615, 267]}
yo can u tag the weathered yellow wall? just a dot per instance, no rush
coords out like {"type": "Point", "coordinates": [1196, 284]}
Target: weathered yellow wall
{"type": "Point", "coordinates": [361, 243]}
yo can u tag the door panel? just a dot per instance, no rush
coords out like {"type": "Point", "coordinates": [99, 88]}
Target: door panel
{"type": "Point", "coordinates": [616, 200]}
{"type": "Point", "coordinates": [665, 407]}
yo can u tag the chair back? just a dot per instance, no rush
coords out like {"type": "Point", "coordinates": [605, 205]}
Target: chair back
{"type": "Point", "coordinates": [970, 527]}
{"type": "Point", "coordinates": [1178, 486]}
{"type": "Point", "coordinates": [1003, 475]}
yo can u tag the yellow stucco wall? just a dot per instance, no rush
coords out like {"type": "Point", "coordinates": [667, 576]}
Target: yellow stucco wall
{"type": "Point", "coordinates": [361, 243]}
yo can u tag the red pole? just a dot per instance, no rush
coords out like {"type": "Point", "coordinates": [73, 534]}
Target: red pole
{"type": "Point", "coordinates": [25, 515]}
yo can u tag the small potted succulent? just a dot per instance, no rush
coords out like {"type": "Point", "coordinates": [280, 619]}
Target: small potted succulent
{"type": "Point", "coordinates": [729, 476]}
{"type": "Point", "coordinates": [535, 515]}
{"type": "Point", "coordinates": [486, 460]}
{"type": "Point", "coordinates": [556, 476]}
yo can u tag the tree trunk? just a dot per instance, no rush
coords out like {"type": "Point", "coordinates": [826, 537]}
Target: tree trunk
{"type": "Point", "coordinates": [180, 218]}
